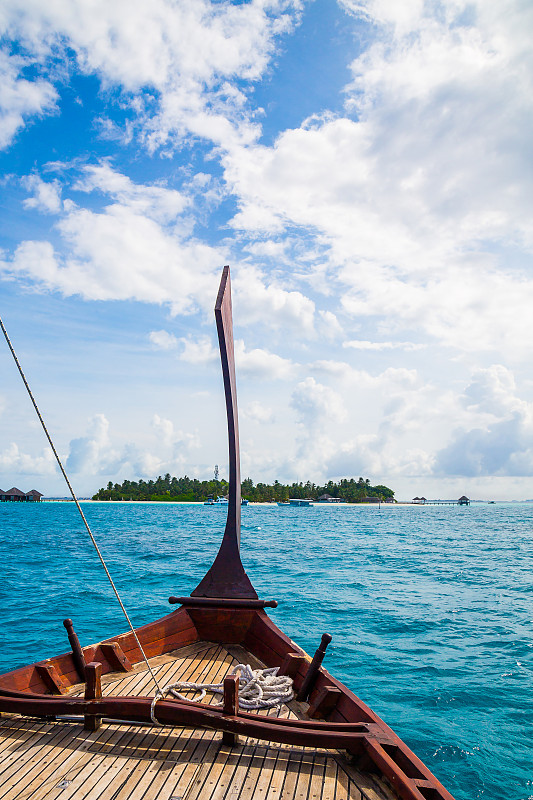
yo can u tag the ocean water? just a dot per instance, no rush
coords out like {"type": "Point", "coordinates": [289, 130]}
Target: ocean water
{"type": "Point", "coordinates": [430, 608]}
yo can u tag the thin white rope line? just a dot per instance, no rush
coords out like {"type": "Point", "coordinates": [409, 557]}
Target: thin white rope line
{"type": "Point", "coordinates": [89, 531]}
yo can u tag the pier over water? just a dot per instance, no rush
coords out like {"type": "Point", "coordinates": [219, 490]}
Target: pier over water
{"type": "Point", "coordinates": [421, 501]}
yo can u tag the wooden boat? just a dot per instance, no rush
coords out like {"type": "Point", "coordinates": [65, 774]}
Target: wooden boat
{"type": "Point", "coordinates": [86, 724]}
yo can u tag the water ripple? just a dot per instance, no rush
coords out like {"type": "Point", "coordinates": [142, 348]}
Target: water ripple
{"type": "Point", "coordinates": [430, 609]}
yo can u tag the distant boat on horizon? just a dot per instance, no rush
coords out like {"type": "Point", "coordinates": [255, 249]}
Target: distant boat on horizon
{"type": "Point", "coordinates": [296, 502]}
{"type": "Point", "coordinates": [222, 501]}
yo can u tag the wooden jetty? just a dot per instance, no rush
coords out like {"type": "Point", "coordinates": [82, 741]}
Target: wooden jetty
{"type": "Point", "coordinates": [421, 501]}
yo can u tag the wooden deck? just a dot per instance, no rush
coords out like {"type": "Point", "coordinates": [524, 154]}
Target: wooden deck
{"type": "Point", "coordinates": [47, 760]}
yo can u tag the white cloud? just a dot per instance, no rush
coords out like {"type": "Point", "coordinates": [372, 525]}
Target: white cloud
{"type": "Point", "coordinates": [140, 245]}
{"type": "Point", "coordinates": [328, 325]}
{"type": "Point", "coordinates": [272, 304]}
{"type": "Point", "coordinates": [20, 99]}
{"type": "Point", "coordinates": [46, 195]}
{"type": "Point", "coordinates": [92, 453]}
{"type": "Point", "coordinates": [96, 454]}
{"type": "Point", "coordinates": [163, 340]}
{"type": "Point", "coordinates": [261, 364]}
{"type": "Point", "coordinates": [190, 55]}
{"type": "Point", "coordinates": [361, 344]}
{"type": "Point", "coordinates": [164, 428]}
{"type": "Point", "coordinates": [255, 363]}
{"type": "Point", "coordinates": [408, 214]}
{"type": "Point", "coordinates": [372, 455]}
{"type": "Point", "coordinates": [344, 373]}
{"type": "Point", "coordinates": [501, 443]}
{"type": "Point", "coordinates": [318, 408]}
{"type": "Point", "coordinates": [424, 198]}
{"type": "Point", "coordinates": [159, 203]}
{"type": "Point", "coordinates": [198, 351]}
{"type": "Point", "coordinates": [257, 412]}
{"type": "Point", "coordinates": [12, 460]}
{"type": "Point", "coordinates": [178, 442]}
{"type": "Point", "coordinates": [316, 404]}
{"type": "Point", "coordinates": [132, 249]}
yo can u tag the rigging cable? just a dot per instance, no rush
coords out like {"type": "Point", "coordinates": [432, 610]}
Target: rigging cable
{"type": "Point", "coordinates": [82, 515]}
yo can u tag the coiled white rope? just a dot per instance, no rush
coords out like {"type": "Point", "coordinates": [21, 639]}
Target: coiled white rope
{"type": "Point", "coordinates": [258, 688]}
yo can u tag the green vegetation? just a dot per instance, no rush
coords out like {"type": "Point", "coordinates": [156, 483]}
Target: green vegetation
{"type": "Point", "coordinates": [190, 489]}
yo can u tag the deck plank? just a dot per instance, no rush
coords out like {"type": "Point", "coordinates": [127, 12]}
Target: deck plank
{"type": "Point", "coordinates": [273, 772]}
{"type": "Point", "coordinates": [173, 743]}
{"type": "Point", "coordinates": [41, 760]}
{"type": "Point", "coordinates": [317, 777]}
{"type": "Point", "coordinates": [292, 774]}
{"type": "Point", "coordinates": [346, 788]}
{"type": "Point", "coordinates": [329, 784]}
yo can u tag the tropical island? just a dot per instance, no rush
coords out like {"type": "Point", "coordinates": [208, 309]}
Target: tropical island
{"type": "Point", "coordinates": [168, 489]}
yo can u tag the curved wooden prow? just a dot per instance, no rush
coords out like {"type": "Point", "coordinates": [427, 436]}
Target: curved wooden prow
{"type": "Point", "coordinates": [227, 577]}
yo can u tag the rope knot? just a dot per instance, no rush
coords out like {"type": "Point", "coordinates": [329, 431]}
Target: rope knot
{"type": "Point", "coordinates": [258, 688]}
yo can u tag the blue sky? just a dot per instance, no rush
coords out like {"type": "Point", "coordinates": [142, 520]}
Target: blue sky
{"type": "Point", "coordinates": [365, 169]}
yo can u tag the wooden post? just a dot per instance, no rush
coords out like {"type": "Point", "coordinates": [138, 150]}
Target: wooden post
{"type": "Point", "coordinates": [77, 652]}
{"type": "Point", "coordinates": [314, 666]}
{"type": "Point", "coordinates": [231, 706]}
{"type": "Point", "coordinates": [93, 691]}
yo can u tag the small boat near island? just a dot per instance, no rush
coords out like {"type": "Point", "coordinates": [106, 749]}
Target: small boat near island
{"type": "Point", "coordinates": [75, 725]}
{"type": "Point", "coordinates": [296, 502]}
{"type": "Point", "coordinates": [222, 501]}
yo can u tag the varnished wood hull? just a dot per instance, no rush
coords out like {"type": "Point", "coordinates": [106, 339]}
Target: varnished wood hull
{"type": "Point", "coordinates": [348, 722]}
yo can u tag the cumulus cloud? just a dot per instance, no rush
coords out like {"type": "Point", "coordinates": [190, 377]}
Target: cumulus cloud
{"type": "Point", "coordinates": [391, 423]}
{"type": "Point", "coordinates": [164, 428]}
{"type": "Point", "coordinates": [272, 304]}
{"type": "Point", "coordinates": [178, 443]}
{"type": "Point", "coordinates": [13, 460]}
{"type": "Point", "coordinates": [422, 192]}
{"type": "Point", "coordinates": [372, 454]}
{"type": "Point", "coordinates": [318, 409]}
{"type": "Point", "coordinates": [257, 412]}
{"type": "Point", "coordinates": [21, 99]}
{"type": "Point", "coordinates": [259, 363]}
{"type": "Point", "coordinates": [503, 443]}
{"type": "Point", "coordinates": [163, 340]}
{"type": "Point", "coordinates": [140, 245]}
{"type": "Point", "coordinates": [314, 403]}
{"type": "Point", "coordinates": [407, 215]}
{"type": "Point", "coordinates": [190, 55]}
{"type": "Point", "coordinates": [91, 453]}
{"type": "Point", "coordinates": [254, 363]}
{"type": "Point", "coordinates": [96, 454]}
{"type": "Point", "coordinates": [397, 377]}
{"type": "Point", "coordinates": [156, 202]}
{"type": "Point", "coordinates": [133, 248]}
{"type": "Point", "coordinates": [46, 194]}
{"type": "Point", "coordinates": [198, 351]}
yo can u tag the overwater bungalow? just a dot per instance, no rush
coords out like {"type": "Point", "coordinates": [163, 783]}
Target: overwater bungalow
{"type": "Point", "coordinates": [15, 495]}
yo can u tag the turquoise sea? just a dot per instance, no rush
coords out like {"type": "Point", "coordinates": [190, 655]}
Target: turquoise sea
{"type": "Point", "coordinates": [430, 608]}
